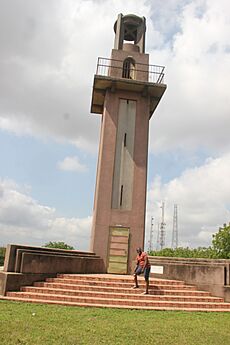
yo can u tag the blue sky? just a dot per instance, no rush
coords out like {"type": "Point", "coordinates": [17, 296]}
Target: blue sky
{"type": "Point", "coordinates": [49, 139]}
{"type": "Point", "coordinates": [33, 162]}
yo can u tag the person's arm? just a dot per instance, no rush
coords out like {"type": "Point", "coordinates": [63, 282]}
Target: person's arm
{"type": "Point", "coordinates": [137, 264]}
{"type": "Point", "coordinates": [145, 262]}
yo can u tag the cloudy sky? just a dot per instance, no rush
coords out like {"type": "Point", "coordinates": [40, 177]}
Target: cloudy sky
{"type": "Point", "coordinates": [49, 139]}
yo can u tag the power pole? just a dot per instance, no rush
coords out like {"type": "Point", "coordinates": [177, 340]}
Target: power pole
{"type": "Point", "coordinates": [175, 228]}
{"type": "Point", "coordinates": [151, 235]}
{"type": "Point", "coordinates": [158, 236]}
{"type": "Point", "coordinates": [162, 227]}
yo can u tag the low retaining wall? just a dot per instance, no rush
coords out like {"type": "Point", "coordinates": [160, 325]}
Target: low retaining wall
{"type": "Point", "coordinates": [26, 264]}
{"type": "Point", "coordinates": [206, 274]}
{"type": "Point", "coordinates": [10, 281]}
{"type": "Point", "coordinates": [14, 254]}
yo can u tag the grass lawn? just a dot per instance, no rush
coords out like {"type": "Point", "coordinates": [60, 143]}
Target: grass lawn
{"type": "Point", "coordinates": [37, 324]}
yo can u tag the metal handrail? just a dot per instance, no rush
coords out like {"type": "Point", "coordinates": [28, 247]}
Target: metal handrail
{"type": "Point", "coordinates": [155, 73]}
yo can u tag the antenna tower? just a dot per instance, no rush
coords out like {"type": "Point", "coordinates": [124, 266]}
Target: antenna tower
{"type": "Point", "coordinates": [158, 236]}
{"type": "Point", "coordinates": [162, 227]}
{"type": "Point", "coordinates": [151, 235]}
{"type": "Point", "coordinates": [175, 228]}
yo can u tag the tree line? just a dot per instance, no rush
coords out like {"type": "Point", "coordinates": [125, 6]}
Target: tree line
{"type": "Point", "coordinates": [220, 248]}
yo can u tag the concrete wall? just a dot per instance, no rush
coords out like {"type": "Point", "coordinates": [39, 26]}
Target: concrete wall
{"type": "Point", "coordinates": [206, 274]}
{"type": "Point", "coordinates": [52, 264]}
{"type": "Point", "coordinates": [104, 215]}
{"type": "Point", "coordinates": [14, 253]}
{"type": "Point", "coordinates": [26, 264]}
{"type": "Point", "coordinates": [10, 281]}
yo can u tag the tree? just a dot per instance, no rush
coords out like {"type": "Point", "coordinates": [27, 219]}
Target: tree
{"type": "Point", "coordinates": [221, 242]}
{"type": "Point", "coordinates": [2, 255]}
{"type": "Point", "coordinates": [58, 245]}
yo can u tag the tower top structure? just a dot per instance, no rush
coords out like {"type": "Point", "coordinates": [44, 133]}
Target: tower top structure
{"type": "Point", "coordinates": [130, 28]}
{"type": "Point", "coordinates": [128, 68]}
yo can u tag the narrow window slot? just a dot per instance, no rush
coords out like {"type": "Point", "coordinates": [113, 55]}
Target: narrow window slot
{"type": "Point", "coordinates": [225, 275]}
{"type": "Point", "coordinates": [125, 137]}
{"type": "Point", "coordinates": [121, 196]}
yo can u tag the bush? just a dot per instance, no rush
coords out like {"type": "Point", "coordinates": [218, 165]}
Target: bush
{"type": "Point", "coordinates": [58, 245]}
{"type": "Point", "coordinates": [200, 252]}
{"type": "Point", "coordinates": [2, 255]}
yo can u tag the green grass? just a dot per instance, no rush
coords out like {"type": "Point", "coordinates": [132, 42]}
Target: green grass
{"type": "Point", "coordinates": [33, 324]}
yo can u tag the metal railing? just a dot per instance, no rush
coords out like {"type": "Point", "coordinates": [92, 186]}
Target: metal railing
{"type": "Point", "coordinates": [141, 72]}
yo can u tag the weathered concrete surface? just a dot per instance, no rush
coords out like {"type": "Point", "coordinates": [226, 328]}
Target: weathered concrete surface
{"type": "Point", "coordinates": [14, 252]}
{"type": "Point", "coordinates": [104, 216]}
{"type": "Point", "coordinates": [10, 281]}
{"type": "Point", "coordinates": [25, 265]}
{"type": "Point", "coordinates": [48, 263]}
{"type": "Point", "coordinates": [227, 293]}
{"type": "Point", "coordinates": [206, 274]}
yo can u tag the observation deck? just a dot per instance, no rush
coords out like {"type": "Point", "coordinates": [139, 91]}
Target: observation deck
{"type": "Point", "coordinates": [112, 75]}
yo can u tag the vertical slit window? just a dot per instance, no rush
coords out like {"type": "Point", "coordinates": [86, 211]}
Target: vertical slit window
{"type": "Point", "coordinates": [125, 137]}
{"type": "Point", "coordinates": [225, 275]}
{"type": "Point", "coordinates": [121, 195]}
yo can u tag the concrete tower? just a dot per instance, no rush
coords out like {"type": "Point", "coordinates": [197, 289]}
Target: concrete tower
{"type": "Point", "coordinates": [126, 91]}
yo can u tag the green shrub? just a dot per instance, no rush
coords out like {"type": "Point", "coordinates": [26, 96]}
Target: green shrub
{"type": "Point", "coordinates": [58, 245]}
{"type": "Point", "coordinates": [180, 252]}
{"type": "Point", "coordinates": [2, 255]}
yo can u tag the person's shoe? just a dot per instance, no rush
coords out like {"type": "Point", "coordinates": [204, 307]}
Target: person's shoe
{"type": "Point", "coordinates": [135, 287]}
{"type": "Point", "coordinates": [145, 293]}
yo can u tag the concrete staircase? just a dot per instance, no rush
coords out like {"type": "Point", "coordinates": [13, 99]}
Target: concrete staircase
{"type": "Point", "coordinates": [107, 290]}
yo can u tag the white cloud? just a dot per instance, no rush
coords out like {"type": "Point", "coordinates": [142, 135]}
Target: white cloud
{"type": "Point", "coordinates": [202, 195]}
{"type": "Point", "coordinates": [72, 164]}
{"type": "Point", "coordinates": [47, 68]}
{"type": "Point", "coordinates": [23, 220]}
{"type": "Point", "coordinates": [48, 57]}
{"type": "Point", "coordinates": [194, 111]}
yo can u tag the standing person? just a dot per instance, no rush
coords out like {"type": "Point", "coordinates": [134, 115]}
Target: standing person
{"type": "Point", "coordinates": [143, 266]}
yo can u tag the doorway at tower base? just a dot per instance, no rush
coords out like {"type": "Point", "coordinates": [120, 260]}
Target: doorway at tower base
{"type": "Point", "coordinates": [118, 250]}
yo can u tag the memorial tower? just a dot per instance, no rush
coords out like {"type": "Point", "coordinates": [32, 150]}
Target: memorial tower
{"type": "Point", "coordinates": [126, 91]}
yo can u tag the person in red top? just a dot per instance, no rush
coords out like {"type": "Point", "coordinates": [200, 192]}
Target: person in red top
{"type": "Point", "coordinates": [143, 266]}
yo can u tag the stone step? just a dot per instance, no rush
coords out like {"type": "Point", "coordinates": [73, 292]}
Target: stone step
{"type": "Point", "coordinates": [155, 284]}
{"type": "Point", "coordinates": [109, 301]}
{"type": "Point", "coordinates": [153, 290]}
{"type": "Point", "coordinates": [74, 304]}
{"type": "Point", "coordinates": [116, 278]}
{"type": "Point", "coordinates": [115, 291]}
{"type": "Point", "coordinates": [113, 295]}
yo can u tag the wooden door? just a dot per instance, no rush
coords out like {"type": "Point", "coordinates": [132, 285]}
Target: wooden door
{"type": "Point", "coordinates": [118, 250]}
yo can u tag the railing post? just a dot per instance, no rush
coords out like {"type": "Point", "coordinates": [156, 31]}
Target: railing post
{"type": "Point", "coordinates": [155, 72]}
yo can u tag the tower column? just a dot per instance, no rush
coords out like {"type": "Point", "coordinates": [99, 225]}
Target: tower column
{"type": "Point", "coordinates": [123, 95]}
